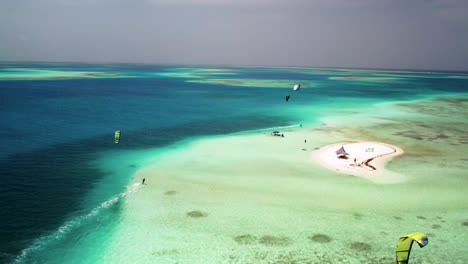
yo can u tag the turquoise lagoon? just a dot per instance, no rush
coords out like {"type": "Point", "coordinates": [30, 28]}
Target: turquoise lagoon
{"type": "Point", "coordinates": [70, 195]}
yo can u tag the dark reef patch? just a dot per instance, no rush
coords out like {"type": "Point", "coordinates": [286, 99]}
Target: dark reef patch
{"type": "Point", "coordinates": [245, 239]}
{"type": "Point", "coordinates": [357, 216]}
{"type": "Point", "coordinates": [171, 192]}
{"type": "Point", "coordinates": [441, 136]}
{"type": "Point", "coordinates": [421, 217]}
{"type": "Point", "coordinates": [360, 246]}
{"type": "Point", "coordinates": [410, 134]}
{"type": "Point", "coordinates": [320, 238]}
{"type": "Point", "coordinates": [436, 226]}
{"type": "Point", "coordinates": [196, 214]}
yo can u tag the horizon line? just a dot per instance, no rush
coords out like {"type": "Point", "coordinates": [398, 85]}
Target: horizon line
{"type": "Point", "coordinates": [245, 65]}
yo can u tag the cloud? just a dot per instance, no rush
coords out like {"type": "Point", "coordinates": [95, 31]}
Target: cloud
{"type": "Point", "coordinates": [355, 33]}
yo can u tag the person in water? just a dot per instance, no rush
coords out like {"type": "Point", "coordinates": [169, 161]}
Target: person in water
{"type": "Point", "coordinates": [143, 181]}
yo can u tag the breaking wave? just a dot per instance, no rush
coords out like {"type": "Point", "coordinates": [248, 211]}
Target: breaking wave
{"type": "Point", "coordinates": [74, 223]}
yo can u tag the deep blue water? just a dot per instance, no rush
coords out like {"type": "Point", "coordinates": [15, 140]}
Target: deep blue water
{"type": "Point", "coordinates": [52, 130]}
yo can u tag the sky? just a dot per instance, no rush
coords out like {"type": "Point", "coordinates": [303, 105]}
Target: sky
{"type": "Point", "coordinates": [392, 34]}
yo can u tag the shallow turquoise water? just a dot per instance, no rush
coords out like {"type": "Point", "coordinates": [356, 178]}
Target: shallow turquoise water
{"type": "Point", "coordinates": [64, 179]}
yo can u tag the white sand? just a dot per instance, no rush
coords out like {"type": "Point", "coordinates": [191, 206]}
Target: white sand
{"type": "Point", "coordinates": [365, 159]}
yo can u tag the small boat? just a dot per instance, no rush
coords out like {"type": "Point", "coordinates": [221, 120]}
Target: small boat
{"type": "Point", "coordinates": [296, 87]}
{"type": "Point", "coordinates": [117, 136]}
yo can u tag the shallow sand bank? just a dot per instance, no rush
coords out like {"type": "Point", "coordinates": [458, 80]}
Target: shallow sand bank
{"type": "Point", "coordinates": [364, 159]}
{"type": "Point", "coordinates": [257, 198]}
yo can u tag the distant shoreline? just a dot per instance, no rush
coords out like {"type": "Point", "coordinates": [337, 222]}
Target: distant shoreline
{"type": "Point", "coordinates": [195, 65]}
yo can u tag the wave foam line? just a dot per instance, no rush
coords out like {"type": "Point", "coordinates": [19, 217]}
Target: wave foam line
{"type": "Point", "coordinates": [74, 223]}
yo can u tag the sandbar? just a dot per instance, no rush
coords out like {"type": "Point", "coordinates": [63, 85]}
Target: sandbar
{"type": "Point", "coordinates": [362, 159]}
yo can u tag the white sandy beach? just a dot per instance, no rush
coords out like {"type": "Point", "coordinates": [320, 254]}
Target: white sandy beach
{"type": "Point", "coordinates": [365, 159]}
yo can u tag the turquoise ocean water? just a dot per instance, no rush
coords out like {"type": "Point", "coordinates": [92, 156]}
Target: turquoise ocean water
{"type": "Point", "coordinates": [62, 176]}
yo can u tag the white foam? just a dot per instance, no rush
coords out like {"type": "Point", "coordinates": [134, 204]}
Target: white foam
{"type": "Point", "coordinates": [72, 224]}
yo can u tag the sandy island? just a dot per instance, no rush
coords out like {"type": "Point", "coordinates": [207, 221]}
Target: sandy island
{"type": "Point", "coordinates": [363, 159]}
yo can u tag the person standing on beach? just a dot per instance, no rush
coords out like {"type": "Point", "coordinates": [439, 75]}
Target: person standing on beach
{"type": "Point", "coordinates": [143, 181]}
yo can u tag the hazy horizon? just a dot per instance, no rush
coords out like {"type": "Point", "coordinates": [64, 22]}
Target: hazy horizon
{"type": "Point", "coordinates": [234, 65]}
{"type": "Point", "coordinates": [363, 34]}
